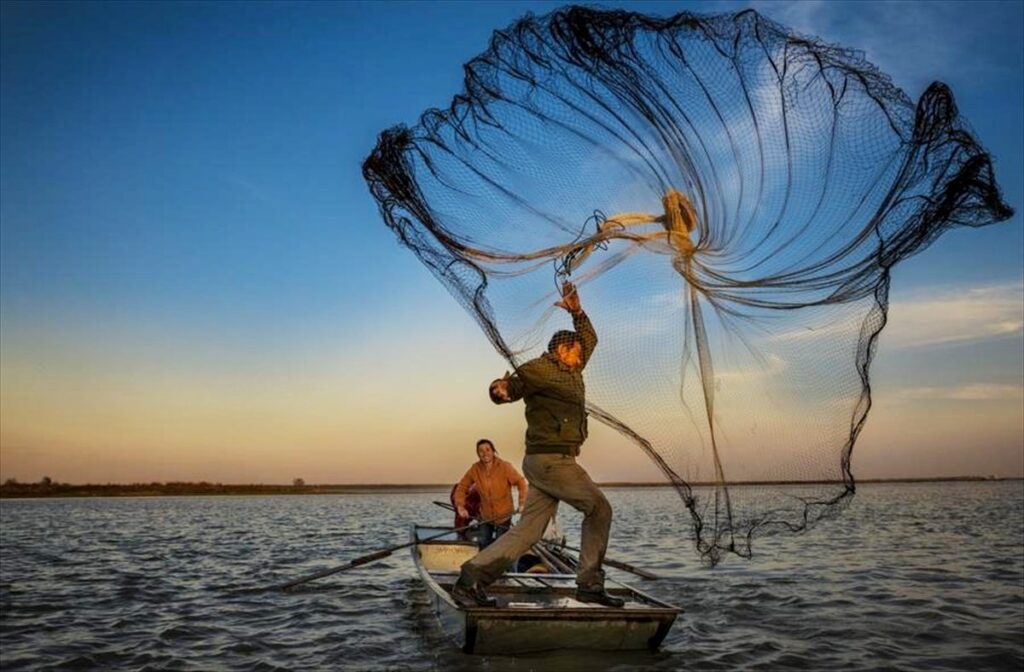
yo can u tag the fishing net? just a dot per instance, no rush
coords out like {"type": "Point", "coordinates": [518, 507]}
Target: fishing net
{"type": "Point", "coordinates": [730, 198]}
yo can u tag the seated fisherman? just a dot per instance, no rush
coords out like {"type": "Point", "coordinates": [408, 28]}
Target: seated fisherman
{"type": "Point", "coordinates": [493, 479]}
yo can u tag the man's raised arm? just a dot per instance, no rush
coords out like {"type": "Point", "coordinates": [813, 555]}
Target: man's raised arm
{"type": "Point", "coordinates": [580, 322]}
{"type": "Point", "coordinates": [588, 337]}
{"type": "Point", "coordinates": [527, 377]}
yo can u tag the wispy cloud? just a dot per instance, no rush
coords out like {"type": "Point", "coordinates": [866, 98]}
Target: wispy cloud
{"type": "Point", "coordinates": [808, 17]}
{"type": "Point", "coordinates": [956, 316]}
{"type": "Point", "coordinates": [249, 188]}
{"type": "Point", "coordinates": [942, 316]}
{"type": "Point", "coordinates": [915, 42]}
{"type": "Point", "coordinates": [772, 366]}
{"type": "Point", "coordinates": [972, 392]}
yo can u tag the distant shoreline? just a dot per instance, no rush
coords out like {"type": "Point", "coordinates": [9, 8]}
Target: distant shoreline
{"type": "Point", "coordinates": [15, 490]}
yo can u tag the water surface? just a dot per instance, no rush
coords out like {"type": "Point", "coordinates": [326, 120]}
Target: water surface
{"type": "Point", "coordinates": [909, 576]}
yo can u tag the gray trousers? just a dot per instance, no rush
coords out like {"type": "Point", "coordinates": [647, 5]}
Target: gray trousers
{"type": "Point", "coordinates": [553, 478]}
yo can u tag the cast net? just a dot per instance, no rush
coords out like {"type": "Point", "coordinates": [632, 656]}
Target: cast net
{"type": "Point", "coordinates": [730, 198]}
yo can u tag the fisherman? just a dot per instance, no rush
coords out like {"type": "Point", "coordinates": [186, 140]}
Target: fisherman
{"type": "Point", "coordinates": [556, 425]}
{"type": "Point", "coordinates": [493, 479]}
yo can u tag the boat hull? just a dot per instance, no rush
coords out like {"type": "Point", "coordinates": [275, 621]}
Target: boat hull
{"type": "Point", "coordinates": [536, 612]}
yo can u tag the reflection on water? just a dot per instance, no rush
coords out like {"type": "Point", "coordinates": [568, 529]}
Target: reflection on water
{"type": "Point", "coordinates": [909, 576]}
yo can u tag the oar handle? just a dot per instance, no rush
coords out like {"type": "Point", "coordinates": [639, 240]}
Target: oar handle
{"type": "Point", "coordinates": [643, 573]}
{"type": "Point", "coordinates": [370, 558]}
{"type": "Point", "coordinates": [334, 570]}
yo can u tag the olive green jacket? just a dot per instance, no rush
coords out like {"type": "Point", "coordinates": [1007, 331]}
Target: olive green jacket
{"type": "Point", "coordinates": [556, 415]}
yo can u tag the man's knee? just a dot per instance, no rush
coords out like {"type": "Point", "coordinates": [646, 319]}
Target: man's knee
{"type": "Point", "coordinates": [602, 510]}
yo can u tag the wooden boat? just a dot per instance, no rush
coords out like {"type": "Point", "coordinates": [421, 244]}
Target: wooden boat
{"type": "Point", "coordinates": [536, 611]}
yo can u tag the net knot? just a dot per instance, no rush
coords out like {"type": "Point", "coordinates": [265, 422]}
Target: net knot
{"type": "Point", "coordinates": [680, 220]}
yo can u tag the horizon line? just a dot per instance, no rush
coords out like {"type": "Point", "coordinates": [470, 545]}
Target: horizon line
{"type": "Point", "coordinates": [46, 482]}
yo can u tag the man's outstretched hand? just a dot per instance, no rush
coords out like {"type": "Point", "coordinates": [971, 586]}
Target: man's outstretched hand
{"type": "Point", "coordinates": [570, 298]}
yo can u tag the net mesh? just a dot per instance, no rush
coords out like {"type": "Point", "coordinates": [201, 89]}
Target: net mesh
{"type": "Point", "coordinates": [730, 198]}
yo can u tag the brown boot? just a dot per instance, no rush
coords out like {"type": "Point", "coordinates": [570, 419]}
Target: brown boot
{"type": "Point", "coordinates": [471, 594]}
{"type": "Point", "coordinates": [598, 595]}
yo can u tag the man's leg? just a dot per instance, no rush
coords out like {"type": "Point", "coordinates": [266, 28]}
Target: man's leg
{"type": "Point", "coordinates": [487, 565]}
{"type": "Point", "coordinates": [561, 477]}
{"type": "Point", "coordinates": [486, 534]}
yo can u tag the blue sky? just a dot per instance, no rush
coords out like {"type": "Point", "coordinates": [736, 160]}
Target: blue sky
{"type": "Point", "coordinates": [183, 219]}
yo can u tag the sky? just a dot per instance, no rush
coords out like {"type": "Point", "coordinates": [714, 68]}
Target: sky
{"type": "Point", "coordinates": [196, 285]}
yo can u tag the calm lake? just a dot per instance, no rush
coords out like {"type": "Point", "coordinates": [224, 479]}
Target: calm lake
{"type": "Point", "coordinates": [909, 576]}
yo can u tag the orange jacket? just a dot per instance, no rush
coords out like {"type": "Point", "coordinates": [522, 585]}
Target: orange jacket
{"type": "Point", "coordinates": [495, 488]}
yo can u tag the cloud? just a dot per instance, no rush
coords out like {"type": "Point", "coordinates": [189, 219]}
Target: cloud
{"type": "Point", "coordinates": [830, 330]}
{"type": "Point", "coordinates": [809, 17]}
{"type": "Point", "coordinates": [953, 315]}
{"type": "Point", "coordinates": [772, 366]}
{"type": "Point", "coordinates": [941, 316]}
{"type": "Point", "coordinates": [249, 188]}
{"type": "Point", "coordinates": [972, 392]}
{"type": "Point", "coordinates": [914, 42]}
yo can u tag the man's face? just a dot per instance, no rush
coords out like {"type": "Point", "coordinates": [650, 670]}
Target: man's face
{"type": "Point", "coordinates": [485, 452]}
{"type": "Point", "coordinates": [570, 354]}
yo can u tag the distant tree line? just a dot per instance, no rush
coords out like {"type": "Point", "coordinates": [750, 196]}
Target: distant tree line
{"type": "Point", "coordinates": [47, 487]}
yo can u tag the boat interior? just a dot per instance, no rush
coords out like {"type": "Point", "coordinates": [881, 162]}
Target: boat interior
{"type": "Point", "coordinates": [545, 578]}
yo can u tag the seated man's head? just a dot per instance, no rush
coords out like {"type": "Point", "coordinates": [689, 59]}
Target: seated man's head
{"type": "Point", "coordinates": [485, 451]}
{"type": "Point", "coordinates": [567, 348]}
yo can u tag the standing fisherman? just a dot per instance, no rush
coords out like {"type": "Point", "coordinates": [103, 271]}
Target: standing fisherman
{"type": "Point", "coordinates": [556, 426]}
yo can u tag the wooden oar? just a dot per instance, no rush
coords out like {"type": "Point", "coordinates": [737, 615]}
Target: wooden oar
{"type": "Point", "coordinates": [378, 555]}
{"type": "Point", "coordinates": [617, 564]}
{"type": "Point", "coordinates": [544, 554]}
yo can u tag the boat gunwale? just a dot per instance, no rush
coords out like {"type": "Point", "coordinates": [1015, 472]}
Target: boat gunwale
{"type": "Point", "coordinates": [428, 579]}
